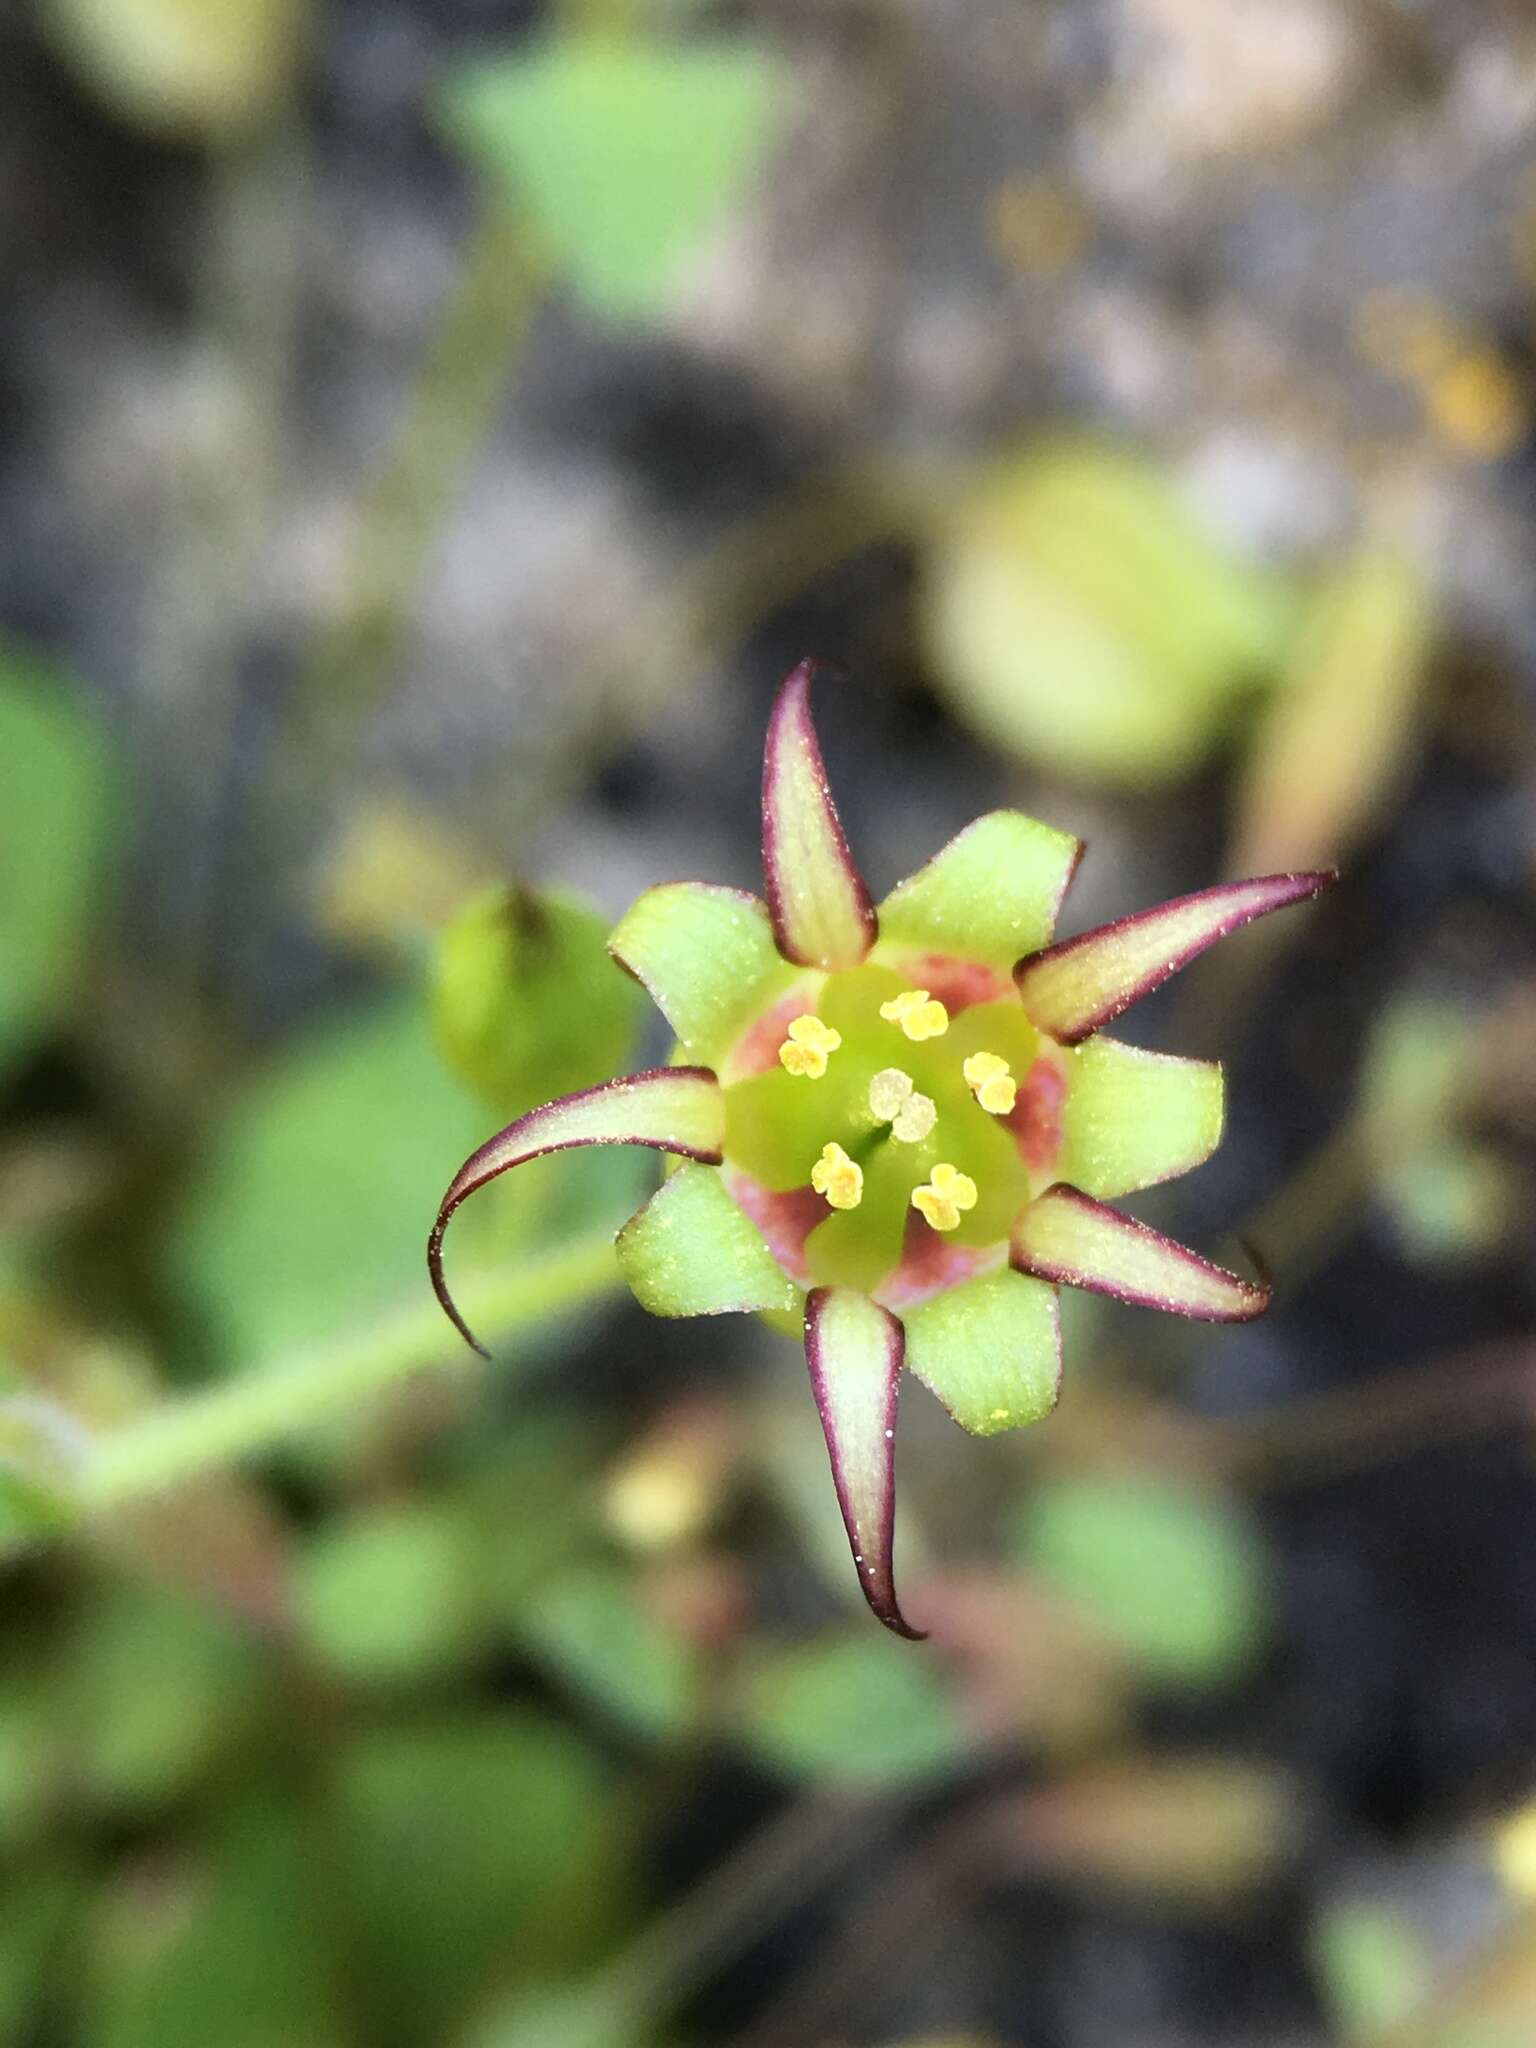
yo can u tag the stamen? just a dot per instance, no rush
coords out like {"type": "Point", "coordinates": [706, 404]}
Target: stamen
{"type": "Point", "coordinates": [918, 1014]}
{"type": "Point", "coordinates": [805, 1050]}
{"type": "Point", "coordinates": [838, 1178]}
{"type": "Point", "coordinates": [893, 1100]}
{"type": "Point", "coordinates": [940, 1199]}
{"type": "Point", "coordinates": [991, 1082]}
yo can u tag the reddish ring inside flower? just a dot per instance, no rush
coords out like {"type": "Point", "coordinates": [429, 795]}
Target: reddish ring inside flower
{"type": "Point", "coordinates": [883, 1170]}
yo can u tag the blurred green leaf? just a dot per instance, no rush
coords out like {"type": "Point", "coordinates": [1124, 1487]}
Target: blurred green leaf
{"type": "Point", "coordinates": [1371, 1965]}
{"type": "Point", "coordinates": [36, 1905]}
{"type": "Point", "coordinates": [230, 1954]}
{"type": "Point", "coordinates": [527, 1003]}
{"type": "Point", "coordinates": [388, 1595]}
{"type": "Point", "coordinates": [1335, 739]}
{"type": "Point", "coordinates": [1175, 1575]}
{"type": "Point", "coordinates": [623, 154]}
{"type": "Point", "coordinates": [55, 829]}
{"type": "Point", "coordinates": [452, 1837]}
{"type": "Point", "coordinates": [311, 1208]}
{"type": "Point", "coordinates": [1077, 616]}
{"type": "Point", "coordinates": [159, 1686]}
{"type": "Point", "coordinates": [590, 1628]}
{"type": "Point", "coordinates": [853, 1708]}
{"type": "Point", "coordinates": [199, 69]}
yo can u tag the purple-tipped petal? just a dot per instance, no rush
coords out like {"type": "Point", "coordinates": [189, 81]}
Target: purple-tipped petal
{"type": "Point", "coordinates": [822, 913]}
{"type": "Point", "coordinates": [1069, 1238]}
{"type": "Point", "coordinates": [670, 1109]}
{"type": "Point", "coordinates": [854, 1349]}
{"type": "Point", "coordinates": [1073, 987]}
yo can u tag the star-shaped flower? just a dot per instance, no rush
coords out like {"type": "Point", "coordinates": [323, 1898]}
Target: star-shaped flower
{"type": "Point", "coordinates": [899, 1127]}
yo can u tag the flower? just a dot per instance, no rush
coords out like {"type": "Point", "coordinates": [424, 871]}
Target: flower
{"type": "Point", "coordinates": [899, 1128]}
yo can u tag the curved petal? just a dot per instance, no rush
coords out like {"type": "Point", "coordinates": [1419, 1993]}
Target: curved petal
{"type": "Point", "coordinates": [990, 1349]}
{"type": "Point", "coordinates": [854, 1351]}
{"type": "Point", "coordinates": [1133, 1118]}
{"type": "Point", "coordinates": [706, 957]}
{"type": "Point", "coordinates": [821, 910]}
{"type": "Point", "coordinates": [991, 894]}
{"type": "Point", "coordinates": [1072, 988]}
{"type": "Point", "coordinates": [1068, 1238]}
{"type": "Point", "coordinates": [691, 1252]}
{"type": "Point", "coordinates": [671, 1109]}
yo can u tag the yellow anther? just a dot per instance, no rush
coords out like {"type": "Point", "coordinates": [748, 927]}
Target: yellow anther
{"type": "Point", "coordinates": [806, 1048]}
{"type": "Point", "coordinates": [991, 1083]}
{"type": "Point", "coordinates": [918, 1014]}
{"type": "Point", "coordinates": [940, 1199]}
{"type": "Point", "coordinates": [839, 1178]}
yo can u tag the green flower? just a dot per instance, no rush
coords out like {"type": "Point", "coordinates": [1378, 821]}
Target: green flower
{"type": "Point", "coordinates": [900, 1126]}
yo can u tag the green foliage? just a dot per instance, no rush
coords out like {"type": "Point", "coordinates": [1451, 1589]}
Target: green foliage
{"type": "Point", "coordinates": [1079, 618]}
{"type": "Point", "coordinates": [453, 1836]}
{"type": "Point", "coordinates": [590, 1628]}
{"type": "Point", "coordinates": [388, 1596]}
{"type": "Point", "coordinates": [229, 1954]}
{"type": "Point", "coordinates": [526, 1002]}
{"type": "Point", "coordinates": [1371, 1965]}
{"type": "Point", "coordinates": [159, 1689]}
{"type": "Point", "coordinates": [55, 837]}
{"type": "Point", "coordinates": [310, 1210]}
{"type": "Point", "coordinates": [1173, 1574]}
{"type": "Point", "coordinates": [852, 1708]}
{"type": "Point", "coordinates": [623, 154]}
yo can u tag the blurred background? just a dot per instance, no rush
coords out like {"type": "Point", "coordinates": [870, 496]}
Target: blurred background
{"type": "Point", "coordinates": [428, 431]}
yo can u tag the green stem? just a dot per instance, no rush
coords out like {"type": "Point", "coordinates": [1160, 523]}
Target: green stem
{"type": "Point", "coordinates": [185, 1438]}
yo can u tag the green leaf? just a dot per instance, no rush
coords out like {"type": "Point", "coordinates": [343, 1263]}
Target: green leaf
{"type": "Point", "coordinates": [1135, 1118]}
{"type": "Point", "coordinates": [526, 1002]}
{"type": "Point", "coordinates": [231, 1953]}
{"type": "Point", "coordinates": [1175, 1575]}
{"type": "Point", "coordinates": [589, 1628]}
{"type": "Point", "coordinates": [1371, 1964]}
{"type": "Point", "coordinates": [624, 154]}
{"type": "Point", "coordinates": [36, 1907]}
{"type": "Point", "coordinates": [855, 1708]}
{"type": "Point", "coordinates": [55, 838]}
{"type": "Point", "coordinates": [388, 1596]}
{"type": "Point", "coordinates": [1079, 618]}
{"type": "Point", "coordinates": [992, 894]}
{"type": "Point", "coordinates": [450, 1838]}
{"type": "Point", "coordinates": [990, 1349]}
{"type": "Point", "coordinates": [163, 1686]}
{"type": "Point", "coordinates": [706, 955]}
{"type": "Point", "coordinates": [186, 69]}
{"type": "Point", "coordinates": [309, 1211]}
{"type": "Point", "coordinates": [691, 1252]}
{"type": "Point", "coordinates": [1335, 741]}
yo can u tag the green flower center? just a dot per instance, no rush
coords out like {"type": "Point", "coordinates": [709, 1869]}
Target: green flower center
{"type": "Point", "coordinates": [892, 1111]}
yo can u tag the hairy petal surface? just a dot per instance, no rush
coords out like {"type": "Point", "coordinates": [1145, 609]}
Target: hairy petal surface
{"type": "Point", "coordinates": [991, 894]}
{"type": "Point", "coordinates": [821, 911]}
{"type": "Point", "coordinates": [1070, 1239]}
{"type": "Point", "coordinates": [854, 1351]}
{"type": "Point", "coordinates": [706, 957]}
{"type": "Point", "coordinates": [671, 1109]}
{"type": "Point", "coordinates": [990, 1349]}
{"type": "Point", "coordinates": [1133, 1118]}
{"type": "Point", "coordinates": [1072, 988]}
{"type": "Point", "coordinates": [691, 1252]}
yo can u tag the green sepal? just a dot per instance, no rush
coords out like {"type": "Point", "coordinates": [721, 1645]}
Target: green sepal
{"type": "Point", "coordinates": [992, 894]}
{"type": "Point", "coordinates": [691, 1252]}
{"type": "Point", "coordinates": [1135, 1118]}
{"type": "Point", "coordinates": [707, 958]}
{"type": "Point", "coordinates": [990, 1349]}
